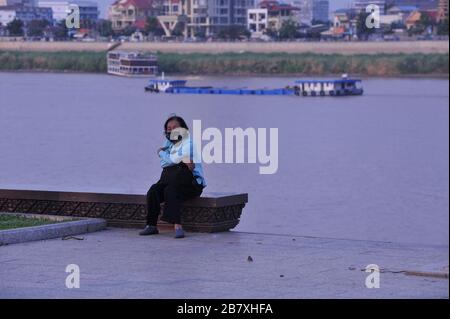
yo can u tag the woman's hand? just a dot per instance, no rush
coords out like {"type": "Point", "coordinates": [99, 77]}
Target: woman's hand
{"type": "Point", "coordinates": [189, 164]}
{"type": "Point", "coordinates": [161, 149]}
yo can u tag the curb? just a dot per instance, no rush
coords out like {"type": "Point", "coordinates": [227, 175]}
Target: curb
{"type": "Point", "coordinates": [42, 232]}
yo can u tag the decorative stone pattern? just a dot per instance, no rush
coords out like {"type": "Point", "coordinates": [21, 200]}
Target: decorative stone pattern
{"type": "Point", "coordinates": [210, 213]}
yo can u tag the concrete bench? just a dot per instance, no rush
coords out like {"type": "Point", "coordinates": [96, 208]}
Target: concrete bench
{"type": "Point", "coordinates": [212, 212]}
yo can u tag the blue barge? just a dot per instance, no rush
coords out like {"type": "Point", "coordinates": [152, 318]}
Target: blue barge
{"type": "Point", "coordinates": [341, 87]}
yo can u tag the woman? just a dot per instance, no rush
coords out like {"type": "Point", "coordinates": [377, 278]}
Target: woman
{"type": "Point", "coordinates": [181, 178]}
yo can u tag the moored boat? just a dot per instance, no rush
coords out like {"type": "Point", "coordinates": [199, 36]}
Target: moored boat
{"type": "Point", "coordinates": [339, 87]}
{"type": "Point", "coordinates": [132, 63]}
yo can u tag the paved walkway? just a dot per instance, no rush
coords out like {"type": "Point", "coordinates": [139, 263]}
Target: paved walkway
{"type": "Point", "coordinates": [118, 263]}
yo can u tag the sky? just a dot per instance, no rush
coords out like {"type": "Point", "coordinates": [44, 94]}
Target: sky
{"type": "Point", "coordinates": [334, 4]}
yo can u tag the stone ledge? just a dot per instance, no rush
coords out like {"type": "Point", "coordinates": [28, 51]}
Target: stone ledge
{"type": "Point", "coordinates": [211, 212]}
{"type": "Point", "coordinates": [67, 227]}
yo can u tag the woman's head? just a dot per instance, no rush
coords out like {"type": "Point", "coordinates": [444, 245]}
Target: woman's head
{"type": "Point", "coordinates": [174, 122]}
{"type": "Point", "coordinates": [175, 128]}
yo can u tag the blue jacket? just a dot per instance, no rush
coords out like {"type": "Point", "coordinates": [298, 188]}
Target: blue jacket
{"type": "Point", "coordinates": [175, 153]}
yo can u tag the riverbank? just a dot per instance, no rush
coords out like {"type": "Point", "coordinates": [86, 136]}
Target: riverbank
{"type": "Point", "coordinates": [248, 63]}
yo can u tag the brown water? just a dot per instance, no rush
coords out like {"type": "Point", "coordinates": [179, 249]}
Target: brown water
{"type": "Point", "coordinates": [372, 167]}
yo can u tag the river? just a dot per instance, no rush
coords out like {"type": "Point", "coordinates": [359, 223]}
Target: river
{"type": "Point", "coordinates": [374, 167]}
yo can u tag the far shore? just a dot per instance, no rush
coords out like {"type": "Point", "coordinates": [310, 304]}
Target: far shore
{"type": "Point", "coordinates": [241, 63]}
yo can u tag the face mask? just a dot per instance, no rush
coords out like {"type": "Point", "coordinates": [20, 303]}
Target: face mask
{"type": "Point", "coordinates": [179, 138]}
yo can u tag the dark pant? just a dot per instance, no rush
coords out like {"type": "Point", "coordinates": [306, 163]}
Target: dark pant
{"type": "Point", "coordinates": [176, 185]}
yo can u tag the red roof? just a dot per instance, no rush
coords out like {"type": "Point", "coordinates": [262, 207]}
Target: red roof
{"type": "Point", "coordinates": [139, 24]}
{"type": "Point", "coordinates": [141, 4]}
{"type": "Point", "coordinates": [275, 6]}
{"type": "Point", "coordinates": [432, 14]}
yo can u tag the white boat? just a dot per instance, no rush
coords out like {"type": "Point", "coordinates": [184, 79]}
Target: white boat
{"type": "Point", "coordinates": [132, 63]}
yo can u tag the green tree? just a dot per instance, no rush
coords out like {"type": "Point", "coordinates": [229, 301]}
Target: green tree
{"type": "Point", "coordinates": [36, 27]}
{"type": "Point", "coordinates": [60, 30]}
{"type": "Point", "coordinates": [234, 32]}
{"type": "Point", "coordinates": [127, 31]}
{"type": "Point", "coordinates": [152, 26]}
{"type": "Point", "coordinates": [362, 30]}
{"type": "Point", "coordinates": [422, 25]}
{"type": "Point", "coordinates": [289, 30]}
{"type": "Point", "coordinates": [104, 28]}
{"type": "Point", "coordinates": [442, 27]}
{"type": "Point", "coordinates": [200, 33]}
{"type": "Point", "coordinates": [178, 30]}
{"type": "Point", "coordinates": [15, 27]}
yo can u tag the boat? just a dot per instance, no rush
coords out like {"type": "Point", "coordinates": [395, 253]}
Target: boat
{"type": "Point", "coordinates": [338, 87]}
{"type": "Point", "coordinates": [341, 87]}
{"type": "Point", "coordinates": [132, 63]}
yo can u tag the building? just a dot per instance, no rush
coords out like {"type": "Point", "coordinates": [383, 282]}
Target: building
{"type": "Point", "coordinates": [25, 13]}
{"type": "Point", "coordinates": [7, 14]}
{"type": "Point", "coordinates": [210, 16]}
{"type": "Point", "coordinates": [257, 21]}
{"type": "Point", "coordinates": [128, 13]}
{"type": "Point", "coordinates": [171, 16]}
{"type": "Point", "coordinates": [18, 2]}
{"type": "Point", "coordinates": [305, 13]}
{"type": "Point", "coordinates": [443, 10]}
{"type": "Point", "coordinates": [278, 13]}
{"type": "Point", "coordinates": [344, 23]}
{"type": "Point", "coordinates": [402, 10]}
{"type": "Point", "coordinates": [310, 11]}
{"type": "Point", "coordinates": [61, 9]}
{"type": "Point", "coordinates": [420, 4]}
{"type": "Point", "coordinates": [361, 5]}
{"type": "Point", "coordinates": [412, 19]}
{"type": "Point", "coordinates": [321, 11]}
{"type": "Point", "coordinates": [204, 17]}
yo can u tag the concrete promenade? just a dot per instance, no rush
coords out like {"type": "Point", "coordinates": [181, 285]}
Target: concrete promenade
{"type": "Point", "coordinates": [117, 263]}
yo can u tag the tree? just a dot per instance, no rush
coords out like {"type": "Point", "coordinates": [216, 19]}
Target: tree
{"type": "Point", "coordinates": [423, 24]}
{"type": "Point", "coordinates": [442, 27]}
{"type": "Point", "coordinates": [200, 33]}
{"type": "Point", "coordinates": [15, 27]}
{"type": "Point", "coordinates": [127, 31]}
{"type": "Point", "coordinates": [234, 32]}
{"type": "Point", "coordinates": [36, 27]}
{"type": "Point", "coordinates": [362, 30]}
{"type": "Point", "coordinates": [60, 30]}
{"type": "Point", "coordinates": [152, 26]}
{"type": "Point", "coordinates": [178, 30]}
{"type": "Point", "coordinates": [289, 30]}
{"type": "Point", "coordinates": [104, 28]}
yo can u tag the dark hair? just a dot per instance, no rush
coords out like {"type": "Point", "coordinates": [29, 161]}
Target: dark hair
{"type": "Point", "coordinates": [180, 121]}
